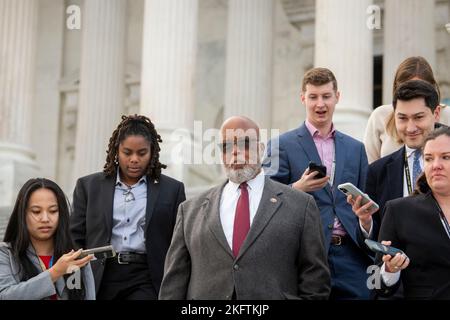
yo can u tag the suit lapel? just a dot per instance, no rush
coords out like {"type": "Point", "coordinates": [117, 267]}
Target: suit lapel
{"type": "Point", "coordinates": [269, 204]}
{"type": "Point", "coordinates": [211, 210]}
{"type": "Point", "coordinates": [107, 193]}
{"type": "Point", "coordinates": [153, 187]}
{"type": "Point", "coordinates": [339, 152]}
{"type": "Point", "coordinates": [394, 171]}
{"type": "Point", "coordinates": [307, 143]}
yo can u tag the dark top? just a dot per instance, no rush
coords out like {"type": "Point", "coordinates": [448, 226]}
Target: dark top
{"type": "Point", "coordinates": [413, 224]}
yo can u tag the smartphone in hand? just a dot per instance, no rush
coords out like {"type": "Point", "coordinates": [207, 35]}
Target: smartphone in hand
{"type": "Point", "coordinates": [99, 253]}
{"type": "Point", "coordinates": [381, 248]}
{"type": "Point", "coordinates": [319, 168]}
{"type": "Point", "coordinates": [349, 189]}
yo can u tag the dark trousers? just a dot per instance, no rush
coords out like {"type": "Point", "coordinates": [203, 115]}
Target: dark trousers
{"type": "Point", "coordinates": [126, 282]}
{"type": "Point", "coordinates": [348, 266]}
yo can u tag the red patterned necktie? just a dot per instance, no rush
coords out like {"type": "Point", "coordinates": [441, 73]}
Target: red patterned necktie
{"type": "Point", "coordinates": [241, 219]}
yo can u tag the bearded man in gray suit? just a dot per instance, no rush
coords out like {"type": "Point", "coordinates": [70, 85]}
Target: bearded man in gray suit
{"type": "Point", "coordinates": [248, 238]}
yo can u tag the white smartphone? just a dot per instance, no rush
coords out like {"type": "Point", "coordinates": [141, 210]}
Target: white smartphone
{"type": "Point", "coordinates": [349, 189]}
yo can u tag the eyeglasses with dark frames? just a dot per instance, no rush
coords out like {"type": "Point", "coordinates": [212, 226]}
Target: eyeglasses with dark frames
{"type": "Point", "coordinates": [242, 144]}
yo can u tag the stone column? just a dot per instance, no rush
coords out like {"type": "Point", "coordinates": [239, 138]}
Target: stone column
{"type": "Point", "coordinates": [343, 43]}
{"type": "Point", "coordinates": [248, 84]}
{"type": "Point", "coordinates": [18, 25]}
{"type": "Point", "coordinates": [46, 115]}
{"type": "Point", "coordinates": [168, 70]}
{"type": "Point", "coordinates": [409, 30]}
{"type": "Point", "coordinates": [102, 82]}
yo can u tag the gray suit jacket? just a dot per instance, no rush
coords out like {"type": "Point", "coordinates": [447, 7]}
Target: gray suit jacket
{"type": "Point", "coordinates": [38, 287]}
{"type": "Point", "coordinates": [282, 257]}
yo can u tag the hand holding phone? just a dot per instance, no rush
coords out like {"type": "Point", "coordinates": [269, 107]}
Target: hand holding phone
{"type": "Point", "coordinates": [349, 189]}
{"type": "Point", "coordinates": [100, 252]}
{"type": "Point", "coordinates": [322, 170]}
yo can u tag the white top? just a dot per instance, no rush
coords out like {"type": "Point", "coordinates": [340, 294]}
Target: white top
{"type": "Point", "coordinates": [228, 202]}
{"type": "Point", "coordinates": [377, 141]}
{"type": "Point", "coordinates": [389, 278]}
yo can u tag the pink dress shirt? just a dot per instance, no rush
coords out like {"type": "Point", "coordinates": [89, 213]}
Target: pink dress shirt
{"type": "Point", "coordinates": [325, 148]}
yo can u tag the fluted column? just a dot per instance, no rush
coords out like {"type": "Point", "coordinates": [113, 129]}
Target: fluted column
{"type": "Point", "coordinates": [248, 84]}
{"type": "Point", "coordinates": [343, 43]}
{"type": "Point", "coordinates": [168, 62]}
{"type": "Point", "coordinates": [102, 81]}
{"type": "Point", "coordinates": [409, 30]}
{"type": "Point", "coordinates": [168, 71]}
{"type": "Point", "coordinates": [18, 25]}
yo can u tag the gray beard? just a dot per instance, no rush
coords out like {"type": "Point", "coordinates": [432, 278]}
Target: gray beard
{"type": "Point", "coordinates": [242, 175]}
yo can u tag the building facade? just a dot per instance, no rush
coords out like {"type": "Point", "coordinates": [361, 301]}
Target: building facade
{"type": "Point", "coordinates": [70, 68]}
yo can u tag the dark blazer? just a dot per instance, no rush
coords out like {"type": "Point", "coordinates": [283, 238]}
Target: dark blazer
{"type": "Point", "coordinates": [282, 257]}
{"type": "Point", "coordinates": [286, 163]}
{"type": "Point", "coordinates": [385, 179]}
{"type": "Point", "coordinates": [288, 157]}
{"type": "Point", "coordinates": [91, 220]}
{"type": "Point", "coordinates": [413, 225]}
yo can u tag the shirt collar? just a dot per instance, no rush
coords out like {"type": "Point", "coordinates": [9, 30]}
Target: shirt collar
{"type": "Point", "coordinates": [316, 133]}
{"type": "Point", "coordinates": [253, 184]}
{"type": "Point", "coordinates": [409, 151]}
{"type": "Point", "coordinates": [119, 182]}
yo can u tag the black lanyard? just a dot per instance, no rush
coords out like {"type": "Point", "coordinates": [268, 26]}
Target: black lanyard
{"type": "Point", "coordinates": [408, 176]}
{"type": "Point", "coordinates": [443, 218]}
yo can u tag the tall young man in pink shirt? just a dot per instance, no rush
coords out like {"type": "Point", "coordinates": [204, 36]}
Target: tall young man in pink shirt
{"type": "Point", "coordinates": [318, 141]}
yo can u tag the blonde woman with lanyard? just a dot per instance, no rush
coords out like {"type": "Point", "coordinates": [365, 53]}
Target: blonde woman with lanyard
{"type": "Point", "coordinates": [38, 254]}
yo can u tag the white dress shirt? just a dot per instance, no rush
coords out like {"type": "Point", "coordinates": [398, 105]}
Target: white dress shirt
{"type": "Point", "coordinates": [228, 202]}
{"type": "Point", "coordinates": [389, 278]}
{"type": "Point", "coordinates": [410, 155]}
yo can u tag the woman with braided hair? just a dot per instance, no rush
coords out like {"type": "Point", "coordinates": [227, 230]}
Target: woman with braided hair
{"type": "Point", "coordinates": [132, 206]}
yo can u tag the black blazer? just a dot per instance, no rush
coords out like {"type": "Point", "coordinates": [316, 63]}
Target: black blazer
{"type": "Point", "coordinates": [91, 220]}
{"type": "Point", "coordinates": [385, 180]}
{"type": "Point", "coordinates": [414, 226]}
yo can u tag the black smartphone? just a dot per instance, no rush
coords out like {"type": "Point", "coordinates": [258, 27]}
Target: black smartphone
{"type": "Point", "coordinates": [99, 253]}
{"type": "Point", "coordinates": [317, 167]}
{"type": "Point", "coordinates": [381, 248]}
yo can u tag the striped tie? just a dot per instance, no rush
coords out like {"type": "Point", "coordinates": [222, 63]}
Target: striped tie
{"type": "Point", "coordinates": [417, 170]}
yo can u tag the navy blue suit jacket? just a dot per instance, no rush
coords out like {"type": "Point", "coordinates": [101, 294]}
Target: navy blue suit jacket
{"type": "Point", "coordinates": [385, 180]}
{"type": "Point", "coordinates": [288, 157]}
